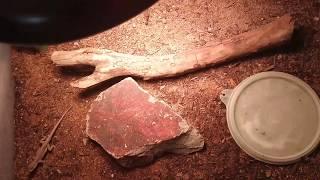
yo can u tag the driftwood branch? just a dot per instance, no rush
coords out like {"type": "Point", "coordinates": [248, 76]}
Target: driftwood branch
{"type": "Point", "coordinates": [111, 64]}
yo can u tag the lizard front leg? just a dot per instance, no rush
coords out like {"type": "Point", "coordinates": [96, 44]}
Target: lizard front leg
{"type": "Point", "coordinates": [43, 140]}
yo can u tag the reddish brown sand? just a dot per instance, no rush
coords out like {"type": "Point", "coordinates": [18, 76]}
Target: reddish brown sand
{"type": "Point", "coordinates": [43, 92]}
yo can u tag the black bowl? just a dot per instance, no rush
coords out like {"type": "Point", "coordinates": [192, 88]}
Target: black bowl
{"type": "Point", "coordinates": [55, 21]}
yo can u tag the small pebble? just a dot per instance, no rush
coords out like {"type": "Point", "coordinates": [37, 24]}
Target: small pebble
{"type": "Point", "coordinates": [59, 171]}
{"type": "Point", "coordinates": [163, 86]}
{"type": "Point", "coordinates": [268, 173]}
{"type": "Point", "coordinates": [316, 19]}
{"type": "Point", "coordinates": [223, 140]}
{"type": "Point", "coordinates": [35, 93]}
{"type": "Point", "coordinates": [112, 175]}
{"type": "Point", "coordinates": [85, 141]}
{"type": "Point", "coordinates": [279, 57]}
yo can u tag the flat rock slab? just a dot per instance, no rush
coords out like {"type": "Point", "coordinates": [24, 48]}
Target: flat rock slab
{"type": "Point", "coordinates": [134, 127]}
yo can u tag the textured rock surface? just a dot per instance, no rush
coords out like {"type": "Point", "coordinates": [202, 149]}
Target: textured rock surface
{"type": "Point", "coordinates": [134, 127]}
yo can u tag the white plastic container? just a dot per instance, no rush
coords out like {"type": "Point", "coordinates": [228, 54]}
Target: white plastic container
{"type": "Point", "coordinates": [274, 117]}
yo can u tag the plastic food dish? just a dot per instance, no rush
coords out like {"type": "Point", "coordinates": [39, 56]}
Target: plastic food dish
{"type": "Point", "coordinates": [274, 117]}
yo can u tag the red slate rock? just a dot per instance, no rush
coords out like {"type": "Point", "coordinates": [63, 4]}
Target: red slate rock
{"type": "Point", "coordinates": [134, 127]}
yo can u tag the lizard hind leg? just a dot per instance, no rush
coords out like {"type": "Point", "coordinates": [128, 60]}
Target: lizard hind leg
{"type": "Point", "coordinates": [50, 147]}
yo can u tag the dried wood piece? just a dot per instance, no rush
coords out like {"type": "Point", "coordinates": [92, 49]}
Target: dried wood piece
{"type": "Point", "coordinates": [111, 64]}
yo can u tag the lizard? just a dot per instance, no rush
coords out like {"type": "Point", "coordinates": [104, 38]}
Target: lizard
{"type": "Point", "coordinates": [45, 147]}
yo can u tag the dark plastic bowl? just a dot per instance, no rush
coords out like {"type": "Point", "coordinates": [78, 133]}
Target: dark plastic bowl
{"type": "Point", "coordinates": [56, 21]}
